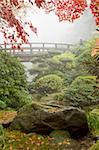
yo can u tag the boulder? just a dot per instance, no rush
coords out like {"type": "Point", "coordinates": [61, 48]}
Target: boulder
{"type": "Point", "coordinates": [43, 119]}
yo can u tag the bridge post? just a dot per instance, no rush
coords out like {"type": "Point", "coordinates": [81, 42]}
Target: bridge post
{"type": "Point", "coordinates": [30, 48]}
{"type": "Point", "coordinates": [43, 46]}
{"type": "Point", "coordinates": [5, 46]}
{"type": "Point", "coordinates": [68, 46]}
{"type": "Point", "coordinates": [55, 45]}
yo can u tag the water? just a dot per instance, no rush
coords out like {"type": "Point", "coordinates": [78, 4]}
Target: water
{"type": "Point", "coordinates": [28, 66]}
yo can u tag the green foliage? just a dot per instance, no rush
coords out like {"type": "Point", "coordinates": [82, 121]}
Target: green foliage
{"type": "Point", "coordinates": [2, 137]}
{"type": "Point", "coordinates": [13, 84]}
{"type": "Point", "coordinates": [59, 96]}
{"type": "Point", "coordinates": [95, 146]}
{"type": "Point", "coordinates": [49, 84]}
{"type": "Point", "coordinates": [2, 105]}
{"type": "Point", "coordinates": [93, 119]}
{"type": "Point", "coordinates": [65, 61]}
{"type": "Point", "coordinates": [85, 61]}
{"type": "Point", "coordinates": [83, 91]}
{"type": "Point", "coordinates": [63, 57]}
{"type": "Point", "coordinates": [88, 45]}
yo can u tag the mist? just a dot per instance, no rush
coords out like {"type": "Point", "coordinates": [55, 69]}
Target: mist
{"type": "Point", "coordinates": [49, 29]}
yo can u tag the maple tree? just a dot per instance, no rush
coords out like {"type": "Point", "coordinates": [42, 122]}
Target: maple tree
{"type": "Point", "coordinates": [65, 10]}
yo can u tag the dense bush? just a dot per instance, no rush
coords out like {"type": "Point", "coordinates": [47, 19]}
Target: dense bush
{"type": "Point", "coordinates": [65, 61]}
{"type": "Point", "coordinates": [82, 91]}
{"type": "Point", "coordinates": [85, 64]}
{"type": "Point", "coordinates": [13, 84]}
{"type": "Point", "coordinates": [89, 63]}
{"type": "Point", "coordinates": [49, 84]}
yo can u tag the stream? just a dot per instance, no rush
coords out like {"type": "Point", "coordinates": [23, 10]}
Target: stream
{"type": "Point", "coordinates": [28, 66]}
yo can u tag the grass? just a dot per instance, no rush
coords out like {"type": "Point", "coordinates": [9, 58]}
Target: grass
{"type": "Point", "coordinates": [16, 140]}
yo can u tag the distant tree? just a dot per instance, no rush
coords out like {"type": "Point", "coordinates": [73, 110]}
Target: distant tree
{"type": "Point", "coordinates": [65, 9]}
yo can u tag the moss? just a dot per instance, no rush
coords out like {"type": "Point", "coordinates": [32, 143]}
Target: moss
{"type": "Point", "coordinates": [59, 135]}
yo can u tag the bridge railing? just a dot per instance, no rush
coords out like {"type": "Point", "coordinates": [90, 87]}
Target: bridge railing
{"type": "Point", "coordinates": [30, 47]}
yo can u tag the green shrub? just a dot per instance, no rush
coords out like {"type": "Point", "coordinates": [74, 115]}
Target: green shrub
{"type": "Point", "coordinates": [2, 105]}
{"type": "Point", "coordinates": [82, 91]}
{"type": "Point", "coordinates": [59, 96]}
{"type": "Point", "coordinates": [13, 84]}
{"type": "Point", "coordinates": [49, 84]}
{"type": "Point", "coordinates": [63, 62]}
{"type": "Point", "coordinates": [93, 119]}
{"type": "Point", "coordinates": [85, 61]}
{"type": "Point", "coordinates": [63, 57]}
{"type": "Point", "coordinates": [95, 146]}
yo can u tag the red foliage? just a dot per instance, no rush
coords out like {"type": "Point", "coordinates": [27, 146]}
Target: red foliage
{"type": "Point", "coordinates": [39, 3]}
{"type": "Point", "coordinates": [95, 9]}
{"type": "Point", "coordinates": [65, 9]}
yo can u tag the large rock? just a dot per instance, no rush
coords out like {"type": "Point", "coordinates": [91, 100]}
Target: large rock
{"type": "Point", "coordinates": [43, 119]}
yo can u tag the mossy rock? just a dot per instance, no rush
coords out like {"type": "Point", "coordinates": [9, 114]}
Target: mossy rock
{"type": "Point", "coordinates": [59, 135]}
{"type": "Point", "coordinates": [62, 138]}
{"type": "Point", "coordinates": [43, 119]}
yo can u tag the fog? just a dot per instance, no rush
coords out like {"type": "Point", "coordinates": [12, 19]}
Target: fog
{"type": "Point", "coordinates": [51, 30]}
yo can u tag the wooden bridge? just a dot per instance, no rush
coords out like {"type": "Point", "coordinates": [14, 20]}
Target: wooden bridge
{"type": "Point", "coordinates": [27, 51]}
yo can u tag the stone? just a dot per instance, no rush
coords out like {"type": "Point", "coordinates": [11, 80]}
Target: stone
{"type": "Point", "coordinates": [43, 119]}
{"type": "Point", "coordinates": [59, 135]}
